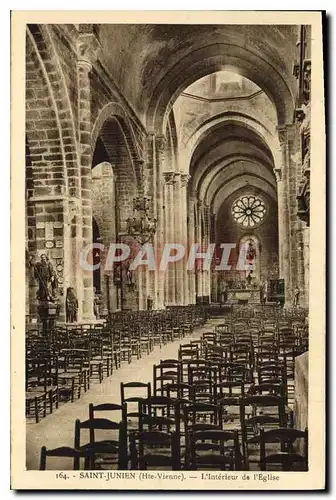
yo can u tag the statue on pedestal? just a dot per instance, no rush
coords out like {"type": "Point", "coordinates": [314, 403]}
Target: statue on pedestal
{"type": "Point", "coordinates": [251, 252]}
{"type": "Point", "coordinates": [48, 308]}
{"type": "Point", "coordinates": [47, 279]}
{"type": "Point", "coordinates": [71, 306]}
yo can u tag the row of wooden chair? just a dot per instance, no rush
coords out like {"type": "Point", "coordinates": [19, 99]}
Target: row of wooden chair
{"type": "Point", "coordinates": [181, 434]}
{"type": "Point", "coordinates": [60, 366]}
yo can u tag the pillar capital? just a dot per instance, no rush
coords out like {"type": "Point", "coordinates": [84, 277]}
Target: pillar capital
{"type": "Point", "coordinates": [278, 174]}
{"type": "Point", "coordinates": [285, 133]}
{"type": "Point", "coordinates": [184, 179]}
{"type": "Point", "coordinates": [170, 177]}
{"type": "Point", "coordinates": [160, 143]}
{"type": "Point", "coordinates": [88, 47]}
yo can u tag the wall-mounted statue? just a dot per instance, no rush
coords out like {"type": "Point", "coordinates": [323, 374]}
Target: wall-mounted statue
{"type": "Point", "coordinates": [71, 305]}
{"type": "Point", "coordinates": [46, 277]}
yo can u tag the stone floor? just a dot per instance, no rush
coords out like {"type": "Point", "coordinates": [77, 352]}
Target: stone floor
{"type": "Point", "coordinates": [58, 429]}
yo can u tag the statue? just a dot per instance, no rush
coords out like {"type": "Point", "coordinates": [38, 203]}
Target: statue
{"type": "Point", "coordinates": [296, 296]}
{"type": "Point", "coordinates": [49, 306]}
{"type": "Point", "coordinates": [149, 303]}
{"type": "Point", "coordinates": [47, 279]}
{"type": "Point", "coordinates": [251, 252]}
{"type": "Point", "coordinates": [249, 279]}
{"type": "Point", "coordinates": [71, 306]}
{"type": "Point", "coordinates": [96, 303]}
{"type": "Point", "coordinates": [129, 277]}
{"type": "Point", "coordinates": [223, 292]}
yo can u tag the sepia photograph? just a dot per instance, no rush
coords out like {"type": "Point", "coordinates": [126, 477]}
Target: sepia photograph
{"type": "Point", "coordinates": [169, 322]}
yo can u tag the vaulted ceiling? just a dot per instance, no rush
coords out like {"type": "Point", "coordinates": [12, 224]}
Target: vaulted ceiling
{"type": "Point", "coordinates": [153, 64]}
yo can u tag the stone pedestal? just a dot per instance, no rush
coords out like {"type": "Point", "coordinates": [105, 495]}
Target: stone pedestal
{"type": "Point", "coordinates": [48, 312]}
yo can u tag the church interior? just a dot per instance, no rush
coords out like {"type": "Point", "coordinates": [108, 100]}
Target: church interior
{"type": "Point", "coordinates": [139, 136]}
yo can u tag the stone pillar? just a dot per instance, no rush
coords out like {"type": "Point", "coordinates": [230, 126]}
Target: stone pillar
{"type": "Point", "coordinates": [191, 239]}
{"type": "Point", "coordinates": [143, 273]}
{"type": "Point", "coordinates": [184, 236]}
{"type": "Point", "coordinates": [178, 233]}
{"type": "Point", "coordinates": [150, 191]}
{"type": "Point", "coordinates": [293, 146]}
{"type": "Point", "coordinates": [52, 235]}
{"type": "Point", "coordinates": [158, 197]}
{"type": "Point", "coordinates": [199, 241]}
{"type": "Point", "coordinates": [283, 244]}
{"type": "Point", "coordinates": [283, 186]}
{"type": "Point", "coordinates": [170, 179]}
{"type": "Point", "coordinates": [206, 274]}
{"type": "Point", "coordinates": [87, 50]}
{"type": "Point", "coordinates": [300, 262]}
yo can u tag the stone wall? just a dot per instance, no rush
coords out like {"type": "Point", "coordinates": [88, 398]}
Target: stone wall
{"type": "Point", "coordinates": [301, 391]}
{"type": "Point", "coordinates": [86, 84]}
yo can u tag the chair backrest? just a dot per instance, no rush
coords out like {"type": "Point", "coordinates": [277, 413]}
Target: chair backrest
{"type": "Point", "coordinates": [109, 407]}
{"type": "Point", "coordinates": [109, 445]}
{"type": "Point", "coordinates": [259, 403]}
{"type": "Point", "coordinates": [229, 389]}
{"type": "Point", "coordinates": [268, 388]}
{"type": "Point", "coordinates": [149, 448]}
{"type": "Point", "coordinates": [188, 351]}
{"type": "Point", "coordinates": [61, 452]}
{"type": "Point", "coordinates": [167, 371]}
{"type": "Point", "coordinates": [145, 389]}
{"type": "Point", "coordinates": [222, 449]}
{"type": "Point", "coordinates": [159, 410]}
{"type": "Point", "coordinates": [192, 414]}
{"type": "Point", "coordinates": [182, 392]}
{"type": "Point", "coordinates": [288, 455]}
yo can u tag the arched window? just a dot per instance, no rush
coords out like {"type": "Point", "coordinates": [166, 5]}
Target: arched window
{"type": "Point", "coordinates": [248, 211]}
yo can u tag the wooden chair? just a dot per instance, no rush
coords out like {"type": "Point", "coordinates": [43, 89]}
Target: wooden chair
{"type": "Point", "coordinates": [74, 373]}
{"type": "Point", "coordinates": [166, 372]}
{"type": "Point", "coordinates": [155, 449]}
{"type": "Point", "coordinates": [97, 360]}
{"type": "Point", "coordinates": [228, 390]}
{"type": "Point", "coordinates": [214, 449]}
{"type": "Point", "coordinates": [287, 457]}
{"type": "Point", "coordinates": [257, 411]}
{"type": "Point", "coordinates": [230, 411]}
{"type": "Point", "coordinates": [63, 452]}
{"type": "Point", "coordinates": [104, 452]}
{"type": "Point", "coordinates": [126, 399]}
{"type": "Point", "coordinates": [180, 391]}
{"type": "Point", "coordinates": [42, 392]}
{"type": "Point", "coordinates": [159, 411]}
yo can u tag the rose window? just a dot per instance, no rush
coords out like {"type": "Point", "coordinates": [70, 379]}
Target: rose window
{"type": "Point", "coordinates": [248, 211]}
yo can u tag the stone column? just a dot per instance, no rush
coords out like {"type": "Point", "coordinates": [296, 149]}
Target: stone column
{"type": "Point", "coordinates": [170, 179]}
{"type": "Point", "coordinates": [51, 235]}
{"type": "Point", "coordinates": [282, 175]}
{"type": "Point", "coordinates": [143, 273]}
{"type": "Point", "coordinates": [178, 233]}
{"type": "Point", "coordinates": [199, 241]}
{"type": "Point", "coordinates": [206, 274]}
{"type": "Point", "coordinates": [191, 239]}
{"type": "Point", "coordinates": [300, 262]}
{"type": "Point", "coordinates": [184, 236]}
{"type": "Point", "coordinates": [150, 190]}
{"type": "Point", "coordinates": [87, 50]}
{"type": "Point", "coordinates": [158, 180]}
{"type": "Point", "coordinates": [293, 146]}
{"type": "Point", "coordinates": [283, 245]}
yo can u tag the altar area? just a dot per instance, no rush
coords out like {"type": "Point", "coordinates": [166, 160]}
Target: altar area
{"type": "Point", "coordinates": [246, 296]}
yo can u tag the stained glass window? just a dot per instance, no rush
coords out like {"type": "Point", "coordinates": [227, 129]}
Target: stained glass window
{"type": "Point", "coordinates": [248, 210]}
